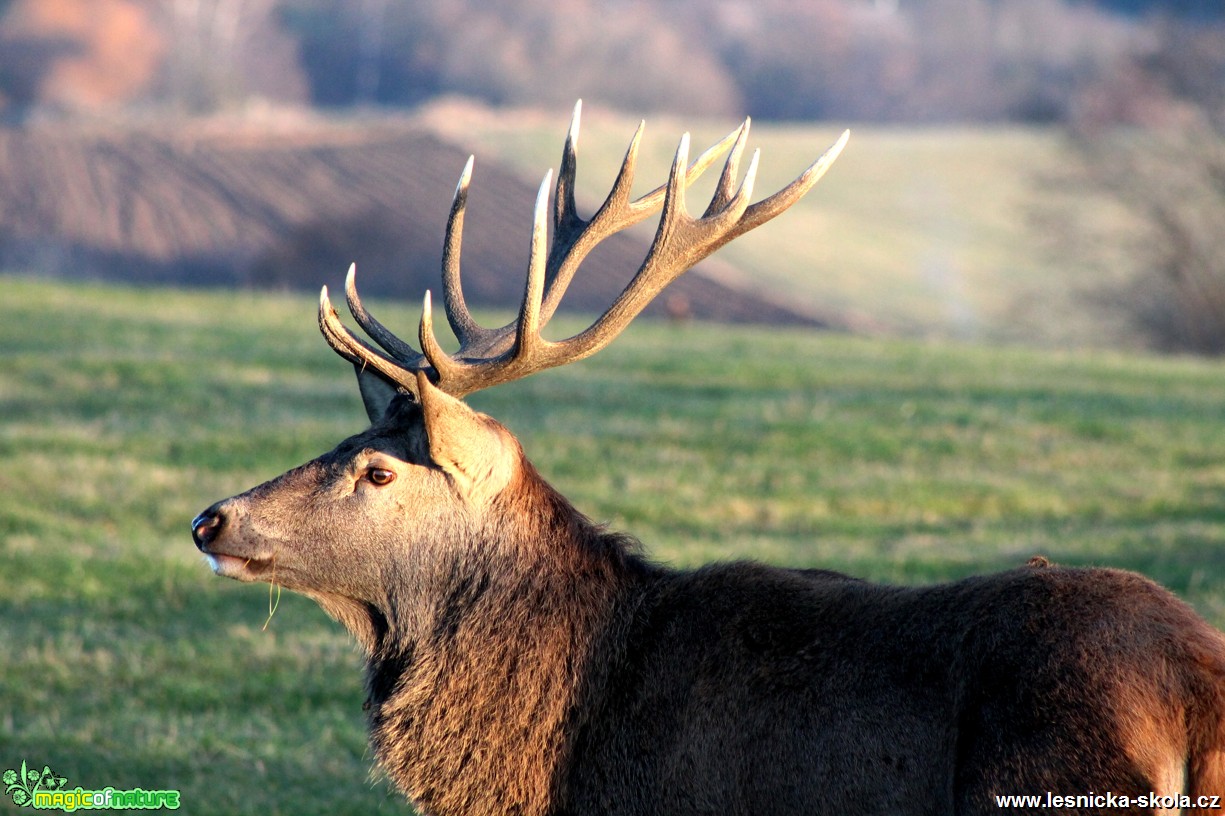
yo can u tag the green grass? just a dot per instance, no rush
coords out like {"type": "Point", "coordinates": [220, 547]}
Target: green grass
{"type": "Point", "coordinates": [942, 232]}
{"type": "Point", "coordinates": [124, 662]}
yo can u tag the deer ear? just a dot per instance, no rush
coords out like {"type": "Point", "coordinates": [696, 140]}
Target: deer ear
{"type": "Point", "coordinates": [477, 453]}
{"type": "Point", "coordinates": [377, 392]}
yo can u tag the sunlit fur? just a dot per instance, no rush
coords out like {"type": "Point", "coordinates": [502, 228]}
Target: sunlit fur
{"type": "Point", "coordinates": [521, 659]}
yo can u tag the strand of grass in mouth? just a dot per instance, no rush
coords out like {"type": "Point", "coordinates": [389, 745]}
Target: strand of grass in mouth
{"type": "Point", "coordinates": [272, 605]}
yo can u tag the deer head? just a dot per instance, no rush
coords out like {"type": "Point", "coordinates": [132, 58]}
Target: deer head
{"type": "Point", "coordinates": [377, 524]}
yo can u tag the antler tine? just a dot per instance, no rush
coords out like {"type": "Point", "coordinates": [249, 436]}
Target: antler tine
{"type": "Point", "coordinates": [445, 368]}
{"type": "Point", "coordinates": [465, 328]}
{"type": "Point", "coordinates": [761, 212]}
{"type": "Point", "coordinates": [573, 236]}
{"type": "Point", "coordinates": [646, 283]}
{"type": "Point", "coordinates": [718, 225]}
{"type": "Point", "coordinates": [727, 180]}
{"type": "Point", "coordinates": [674, 199]}
{"type": "Point", "coordinates": [528, 332]}
{"type": "Point", "coordinates": [357, 351]}
{"type": "Point", "coordinates": [565, 212]}
{"type": "Point", "coordinates": [397, 348]}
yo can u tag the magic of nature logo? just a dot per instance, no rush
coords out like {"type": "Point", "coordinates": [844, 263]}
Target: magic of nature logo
{"type": "Point", "coordinates": [47, 790]}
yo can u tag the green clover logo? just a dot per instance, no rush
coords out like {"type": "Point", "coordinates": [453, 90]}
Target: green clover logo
{"type": "Point", "coordinates": [22, 785]}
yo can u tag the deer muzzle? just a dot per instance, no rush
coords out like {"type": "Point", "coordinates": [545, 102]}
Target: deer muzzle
{"type": "Point", "coordinates": [208, 531]}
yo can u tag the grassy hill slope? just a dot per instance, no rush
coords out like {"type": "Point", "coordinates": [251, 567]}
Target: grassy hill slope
{"type": "Point", "coordinates": [944, 233]}
{"type": "Point", "coordinates": [940, 232]}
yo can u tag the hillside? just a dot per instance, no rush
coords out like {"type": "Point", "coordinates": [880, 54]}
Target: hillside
{"type": "Point", "coordinates": [916, 231]}
{"type": "Point", "coordinates": [289, 205]}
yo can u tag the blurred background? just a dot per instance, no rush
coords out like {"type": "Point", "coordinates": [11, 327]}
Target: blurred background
{"type": "Point", "coordinates": [1044, 171]}
{"type": "Point", "coordinates": [1020, 258]}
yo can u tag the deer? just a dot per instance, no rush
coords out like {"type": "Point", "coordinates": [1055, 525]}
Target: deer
{"type": "Point", "coordinates": [523, 659]}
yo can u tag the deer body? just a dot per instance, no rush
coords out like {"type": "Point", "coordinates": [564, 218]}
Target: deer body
{"type": "Point", "coordinates": [750, 690]}
{"type": "Point", "coordinates": [521, 659]}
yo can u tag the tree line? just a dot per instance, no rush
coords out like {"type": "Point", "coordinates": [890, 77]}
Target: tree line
{"type": "Point", "coordinates": [850, 60]}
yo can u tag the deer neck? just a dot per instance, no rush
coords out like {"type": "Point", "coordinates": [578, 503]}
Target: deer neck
{"type": "Point", "coordinates": [471, 713]}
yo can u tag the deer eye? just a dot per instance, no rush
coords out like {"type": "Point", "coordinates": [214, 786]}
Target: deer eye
{"type": "Point", "coordinates": [380, 476]}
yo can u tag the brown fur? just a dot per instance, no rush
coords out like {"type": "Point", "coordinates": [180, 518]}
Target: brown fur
{"type": "Point", "coordinates": [499, 674]}
{"type": "Point", "coordinates": [522, 660]}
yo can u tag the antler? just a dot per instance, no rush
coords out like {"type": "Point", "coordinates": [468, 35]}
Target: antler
{"type": "Point", "coordinates": [486, 356]}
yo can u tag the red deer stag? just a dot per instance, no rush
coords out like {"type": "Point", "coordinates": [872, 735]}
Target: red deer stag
{"type": "Point", "coordinates": [521, 659]}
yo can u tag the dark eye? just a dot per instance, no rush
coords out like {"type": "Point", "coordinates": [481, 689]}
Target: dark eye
{"type": "Point", "coordinates": [380, 476]}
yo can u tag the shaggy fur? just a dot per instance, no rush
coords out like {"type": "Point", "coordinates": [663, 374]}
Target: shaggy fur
{"type": "Point", "coordinates": [522, 660]}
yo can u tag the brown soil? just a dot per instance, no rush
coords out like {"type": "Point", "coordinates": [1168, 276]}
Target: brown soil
{"type": "Point", "coordinates": [291, 207]}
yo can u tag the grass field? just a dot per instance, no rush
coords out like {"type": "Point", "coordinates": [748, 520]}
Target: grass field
{"type": "Point", "coordinates": [124, 662]}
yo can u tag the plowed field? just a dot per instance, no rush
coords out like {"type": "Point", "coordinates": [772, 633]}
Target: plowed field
{"type": "Point", "coordinates": [291, 207]}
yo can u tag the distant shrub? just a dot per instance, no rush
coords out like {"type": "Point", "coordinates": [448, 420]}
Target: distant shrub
{"type": "Point", "coordinates": [1165, 163]}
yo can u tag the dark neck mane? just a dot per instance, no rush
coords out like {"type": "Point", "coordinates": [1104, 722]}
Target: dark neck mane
{"type": "Point", "coordinates": [475, 715]}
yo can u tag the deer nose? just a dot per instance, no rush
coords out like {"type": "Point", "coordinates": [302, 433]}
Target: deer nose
{"type": "Point", "coordinates": [205, 527]}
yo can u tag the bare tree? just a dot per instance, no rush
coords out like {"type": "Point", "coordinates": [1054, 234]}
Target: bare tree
{"type": "Point", "coordinates": [370, 49]}
{"type": "Point", "coordinates": [1174, 185]}
{"type": "Point", "coordinates": [1152, 139]}
{"type": "Point", "coordinates": [222, 52]}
